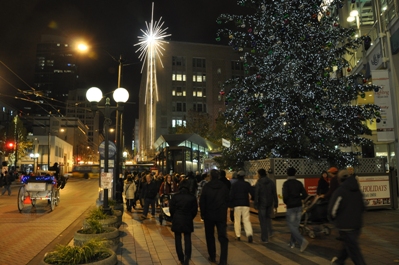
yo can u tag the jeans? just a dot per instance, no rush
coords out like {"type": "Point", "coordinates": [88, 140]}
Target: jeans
{"type": "Point", "coordinates": [244, 212]}
{"type": "Point", "coordinates": [265, 221]}
{"type": "Point", "coordinates": [350, 248]}
{"type": "Point", "coordinates": [7, 187]}
{"type": "Point", "coordinates": [187, 247]}
{"type": "Point", "coordinates": [221, 227]}
{"type": "Point", "coordinates": [293, 217]}
{"type": "Point", "coordinates": [147, 203]}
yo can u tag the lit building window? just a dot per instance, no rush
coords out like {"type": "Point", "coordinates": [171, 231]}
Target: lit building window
{"type": "Point", "coordinates": [199, 77]}
{"type": "Point", "coordinates": [178, 76]}
{"type": "Point", "coordinates": [178, 122]}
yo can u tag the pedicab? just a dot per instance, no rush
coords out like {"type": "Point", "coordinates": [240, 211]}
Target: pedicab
{"type": "Point", "coordinates": [41, 187]}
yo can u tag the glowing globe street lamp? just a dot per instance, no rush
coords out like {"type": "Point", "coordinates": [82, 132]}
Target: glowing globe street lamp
{"type": "Point", "coordinates": [34, 157]}
{"type": "Point", "coordinates": [94, 96]}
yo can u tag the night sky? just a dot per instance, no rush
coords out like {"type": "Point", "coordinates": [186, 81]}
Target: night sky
{"type": "Point", "coordinates": [106, 25]}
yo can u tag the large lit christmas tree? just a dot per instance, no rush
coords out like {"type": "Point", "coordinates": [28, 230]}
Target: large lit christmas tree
{"type": "Point", "coordinates": [295, 99]}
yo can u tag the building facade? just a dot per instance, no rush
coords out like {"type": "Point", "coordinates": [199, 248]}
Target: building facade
{"type": "Point", "coordinates": [68, 129]}
{"type": "Point", "coordinates": [191, 79]}
{"type": "Point", "coordinates": [79, 107]}
{"type": "Point", "coordinates": [378, 61]}
{"type": "Point", "coordinates": [56, 73]}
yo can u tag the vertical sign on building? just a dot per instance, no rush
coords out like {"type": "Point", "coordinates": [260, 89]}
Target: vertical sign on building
{"type": "Point", "coordinates": [382, 98]}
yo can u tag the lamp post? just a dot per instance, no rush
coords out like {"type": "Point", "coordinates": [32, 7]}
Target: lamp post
{"type": "Point", "coordinates": [34, 157]}
{"type": "Point", "coordinates": [82, 47]}
{"type": "Point", "coordinates": [94, 95]}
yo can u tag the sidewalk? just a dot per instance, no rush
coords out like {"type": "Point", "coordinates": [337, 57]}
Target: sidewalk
{"type": "Point", "coordinates": [147, 242]}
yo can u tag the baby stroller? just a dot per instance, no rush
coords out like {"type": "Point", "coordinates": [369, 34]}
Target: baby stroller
{"type": "Point", "coordinates": [314, 217]}
{"type": "Point", "coordinates": [164, 203]}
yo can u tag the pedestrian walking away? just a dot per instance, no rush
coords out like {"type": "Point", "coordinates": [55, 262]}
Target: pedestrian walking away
{"type": "Point", "coordinates": [334, 184]}
{"type": "Point", "coordinates": [213, 205]}
{"type": "Point", "coordinates": [293, 194]}
{"type": "Point", "coordinates": [346, 209]}
{"type": "Point", "coordinates": [183, 209]}
{"type": "Point", "coordinates": [129, 192]}
{"type": "Point", "coordinates": [240, 193]}
{"type": "Point", "coordinates": [265, 201]}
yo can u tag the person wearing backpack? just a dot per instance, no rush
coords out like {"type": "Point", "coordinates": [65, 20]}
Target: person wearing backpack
{"type": "Point", "coordinates": [265, 201]}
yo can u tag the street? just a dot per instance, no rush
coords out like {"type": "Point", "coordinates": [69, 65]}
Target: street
{"type": "Point", "coordinates": [24, 235]}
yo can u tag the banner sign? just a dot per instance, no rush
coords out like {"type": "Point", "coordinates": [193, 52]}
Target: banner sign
{"type": "Point", "coordinates": [376, 190]}
{"type": "Point", "coordinates": [106, 180]}
{"type": "Point", "coordinates": [382, 98]}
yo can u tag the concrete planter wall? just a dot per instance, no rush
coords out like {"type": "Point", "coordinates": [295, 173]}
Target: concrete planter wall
{"type": "Point", "coordinates": [111, 260]}
{"type": "Point", "coordinates": [118, 215]}
{"type": "Point", "coordinates": [111, 237]}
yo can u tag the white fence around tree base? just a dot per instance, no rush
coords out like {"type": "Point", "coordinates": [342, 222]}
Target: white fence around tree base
{"type": "Point", "coordinates": [380, 187]}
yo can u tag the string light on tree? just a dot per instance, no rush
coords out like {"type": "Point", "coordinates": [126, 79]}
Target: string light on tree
{"type": "Point", "coordinates": [297, 97]}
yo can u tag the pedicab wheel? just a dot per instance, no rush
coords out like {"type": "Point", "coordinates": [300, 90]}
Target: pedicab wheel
{"type": "Point", "coordinates": [312, 234]}
{"type": "Point", "coordinates": [53, 198]}
{"type": "Point", "coordinates": [57, 197]}
{"type": "Point", "coordinates": [160, 219]}
{"type": "Point", "coordinates": [326, 230]}
{"type": "Point", "coordinates": [33, 202]}
{"type": "Point", "coordinates": [21, 198]}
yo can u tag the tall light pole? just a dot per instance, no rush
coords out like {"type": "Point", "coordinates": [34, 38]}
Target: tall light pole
{"type": "Point", "coordinates": [117, 189]}
{"type": "Point", "coordinates": [120, 95]}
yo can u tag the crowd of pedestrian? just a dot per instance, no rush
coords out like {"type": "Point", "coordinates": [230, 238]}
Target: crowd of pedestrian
{"type": "Point", "coordinates": [218, 199]}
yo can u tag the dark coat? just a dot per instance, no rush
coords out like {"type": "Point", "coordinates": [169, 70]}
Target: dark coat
{"type": "Point", "coordinates": [149, 190]}
{"type": "Point", "coordinates": [293, 192]}
{"type": "Point", "coordinates": [346, 205]}
{"type": "Point", "coordinates": [193, 185]}
{"type": "Point", "coordinates": [334, 184]}
{"type": "Point", "coordinates": [323, 186]}
{"type": "Point", "coordinates": [239, 193]}
{"type": "Point", "coordinates": [265, 194]}
{"type": "Point", "coordinates": [226, 182]}
{"type": "Point", "coordinates": [213, 201]}
{"type": "Point", "coordinates": [183, 208]}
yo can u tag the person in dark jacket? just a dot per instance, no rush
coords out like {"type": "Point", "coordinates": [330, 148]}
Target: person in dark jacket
{"type": "Point", "coordinates": [192, 182]}
{"type": "Point", "coordinates": [334, 184]}
{"type": "Point", "coordinates": [183, 209]}
{"type": "Point", "coordinates": [265, 200]}
{"type": "Point", "coordinates": [7, 180]}
{"type": "Point", "coordinates": [213, 204]}
{"type": "Point", "coordinates": [224, 179]}
{"type": "Point", "coordinates": [293, 194]}
{"type": "Point", "coordinates": [346, 209]}
{"type": "Point", "coordinates": [149, 193]}
{"type": "Point", "coordinates": [240, 193]}
{"type": "Point", "coordinates": [323, 185]}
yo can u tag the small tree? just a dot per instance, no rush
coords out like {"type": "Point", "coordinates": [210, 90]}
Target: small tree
{"type": "Point", "coordinates": [295, 99]}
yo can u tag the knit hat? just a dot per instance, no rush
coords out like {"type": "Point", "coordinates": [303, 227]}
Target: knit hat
{"type": "Point", "coordinates": [291, 171]}
{"type": "Point", "coordinates": [333, 170]}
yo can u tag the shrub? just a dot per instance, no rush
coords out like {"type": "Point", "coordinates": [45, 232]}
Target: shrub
{"type": "Point", "coordinates": [91, 251]}
{"type": "Point", "coordinates": [94, 227]}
